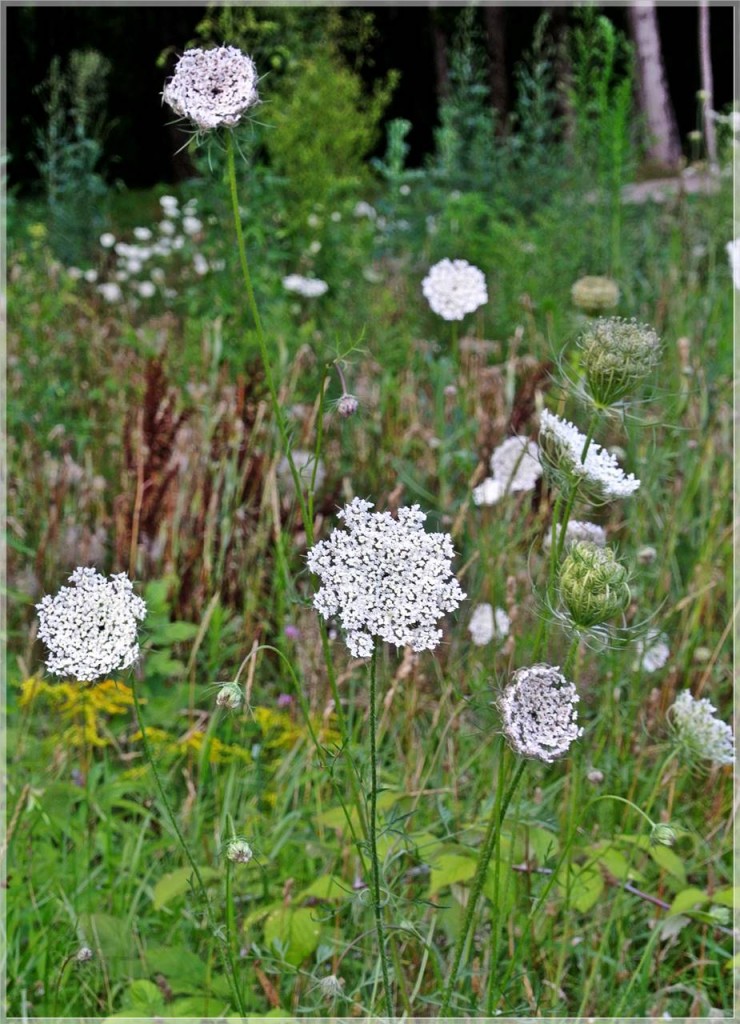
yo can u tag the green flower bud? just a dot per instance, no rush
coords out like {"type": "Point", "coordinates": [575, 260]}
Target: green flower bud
{"type": "Point", "coordinates": [593, 584]}
{"type": "Point", "coordinates": [664, 835]}
{"type": "Point", "coordinates": [229, 696]}
{"type": "Point", "coordinates": [595, 294]}
{"type": "Point", "coordinates": [238, 851]}
{"type": "Point", "coordinates": [616, 354]}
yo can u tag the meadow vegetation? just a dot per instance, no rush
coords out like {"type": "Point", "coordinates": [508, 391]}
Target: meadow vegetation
{"type": "Point", "coordinates": [143, 438]}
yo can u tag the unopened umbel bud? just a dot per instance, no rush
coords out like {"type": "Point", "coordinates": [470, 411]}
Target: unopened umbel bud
{"type": "Point", "coordinates": [593, 584]}
{"type": "Point", "coordinates": [595, 294]}
{"type": "Point", "coordinates": [347, 405]}
{"type": "Point", "coordinates": [229, 696]}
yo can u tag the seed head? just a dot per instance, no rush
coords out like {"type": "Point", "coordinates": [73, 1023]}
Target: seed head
{"type": "Point", "coordinates": [91, 629]}
{"type": "Point", "coordinates": [539, 713]}
{"type": "Point", "coordinates": [385, 578]}
{"type": "Point", "coordinates": [616, 355]}
{"type": "Point", "coordinates": [595, 294]}
{"type": "Point", "coordinates": [212, 88]}
{"type": "Point", "coordinates": [331, 987]}
{"type": "Point", "coordinates": [229, 696]}
{"type": "Point", "coordinates": [239, 851]}
{"type": "Point", "coordinates": [593, 584]}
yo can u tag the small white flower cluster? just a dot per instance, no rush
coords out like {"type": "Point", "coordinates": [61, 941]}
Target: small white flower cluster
{"type": "Point", "coordinates": [703, 735]}
{"type": "Point", "coordinates": [385, 578]}
{"type": "Point", "coordinates": [453, 288]}
{"type": "Point", "coordinates": [488, 623]}
{"type": "Point", "coordinates": [733, 254]}
{"type": "Point", "coordinates": [213, 88]}
{"type": "Point", "coordinates": [652, 651]}
{"type": "Point", "coordinates": [144, 255]}
{"type": "Point", "coordinates": [562, 444]}
{"type": "Point", "coordinates": [515, 466]}
{"type": "Point", "coordinates": [308, 287]}
{"type": "Point", "coordinates": [539, 713]}
{"type": "Point", "coordinates": [91, 629]}
{"type": "Point", "coordinates": [577, 530]}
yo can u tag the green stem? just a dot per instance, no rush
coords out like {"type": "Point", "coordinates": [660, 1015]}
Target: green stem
{"type": "Point", "coordinates": [372, 837]}
{"type": "Point", "coordinates": [225, 951]}
{"type": "Point", "coordinates": [494, 823]}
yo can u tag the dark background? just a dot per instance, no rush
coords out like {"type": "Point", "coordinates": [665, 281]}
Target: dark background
{"type": "Point", "coordinates": [132, 38]}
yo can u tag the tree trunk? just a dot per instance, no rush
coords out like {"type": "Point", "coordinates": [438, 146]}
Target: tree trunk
{"type": "Point", "coordinates": [495, 22]}
{"type": "Point", "coordinates": [655, 103]}
{"type": "Point", "coordinates": [707, 84]}
{"type": "Point", "coordinates": [441, 64]}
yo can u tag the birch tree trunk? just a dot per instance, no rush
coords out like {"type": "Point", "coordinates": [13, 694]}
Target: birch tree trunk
{"type": "Point", "coordinates": [663, 144]}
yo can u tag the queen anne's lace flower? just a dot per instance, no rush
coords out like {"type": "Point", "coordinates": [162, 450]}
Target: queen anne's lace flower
{"type": "Point", "coordinates": [561, 448]}
{"type": "Point", "coordinates": [91, 629]}
{"type": "Point", "coordinates": [652, 651]}
{"type": "Point", "coordinates": [576, 530]}
{"type": "Point", "coordinates": [453, 288]}
{"type": "Point", "coordinates": [733, 254]}
{"type": "Point", "coordinates": [488, 492]}
{"type": "Point", "coordinates": [308, 287]}
{"type": "Point", "coordinates": [515, 463]}
{"type": "Point", "coordinates": [539, 712]}
{"type": "Point", "coordinates": [488, 623]}
{"type": "Point", "coordinates": [385, 578]}
{"type": "Point", "coordinates": [699, 732]}
{"type": "Point", "coordinates": [213, 88]}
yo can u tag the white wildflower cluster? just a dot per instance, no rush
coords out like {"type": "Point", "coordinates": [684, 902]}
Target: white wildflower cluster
{"type": "Point", "coordinates": [453, 288]}
{"type": "Point", "coordinates": [561, 448]}
{"type": "Point", "coordinates": [488, 623]}
{"type": "Point", "coordinates": [143, 266]}
{"type": "Point", "coordinates": [308, 287]}
{"type": "Point", "coordinates": [577, 530]}
{"type": "Point", "coordinates": [515, 466]}
{"type": "Point", "coordinates": [699, 732]}
{"type": "Point", "coordinates": [213, 88]}
{"type": "Point", "coordinates": [539, 713]}
{"type": "Point", "coordinates": [733, 254]}
{"type": "Point", "coordinates": [385, 578]}
{"type": "Point", "coordinates": [91, 629]}
{"type": "Point", "coordinates": [652, 651]}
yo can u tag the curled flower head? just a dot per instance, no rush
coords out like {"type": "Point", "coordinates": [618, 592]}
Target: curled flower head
{"type": "Point", "coordinates": [593, 584]}
{"type": "Point", "coordinates": [539, 713]}
{"type": "Point", "coordinates": [385, 578]}
{"type": "Point", "coordinates": [561, 451]}
{"type": "Point", "coordinates": [698, 732]}
{"type": "Point", "coordinates": [515, 463]}
{"type": "Point", "coordinates": [577, 530]}
{"type": "Point", "coordinates": [488, 623]}
{"type": "Point", "coordinates": [91, 629]}
{"type": "Point", "coordinates": [238, 851]}
{"type": "Point", "coordinates": [616, 355]}
{"type": "Point", "coordinates": [595, 294]}
{"type": "Point", "coordinates": [212, 88]}
{"type": "Point", "coordinates": [229, 696]}
{"type": "Point", "coordinates": [453, 288]}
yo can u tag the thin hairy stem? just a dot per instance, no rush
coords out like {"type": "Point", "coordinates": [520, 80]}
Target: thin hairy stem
{"type": "Point", "coordinates": [372, 838]}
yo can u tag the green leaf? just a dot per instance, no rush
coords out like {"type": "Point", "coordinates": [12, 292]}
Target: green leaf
{"type": "Point", "coordinates": [197, 1006]}
{"type": "Point", "coordinates": [142, 999]}
{"type": "Point", "coordinates": [615, 862]}
{"type": "Point", "coordinates": [669, 861]}
{"type": "Point", "coordinates": [108, 936]}
{"type": "Point", "coordinates": [174, 884]}
{"type": "Point", "coordinates": [687, 899]}
{"type": "Point", "coordinates": [160, 663]}
{"type": "Point", "coordinates": [176, 632]}
{"type": "Point", "coordinates": [294, 934]}
{"type": "Point", "coordinates": [542, 843]}
{"type": "Point", "coordinates": [448, 869]}
{"type": "Point", "coordinates": [183, 970]}
{"type": "Point", "coordinates": [335, 817]}
{"type": "Point", "coordinates": [729, 897]}
{"type": "Point", "coordinates": [326, 887]}
{"type": "Point", "coordinates": [586, 885]}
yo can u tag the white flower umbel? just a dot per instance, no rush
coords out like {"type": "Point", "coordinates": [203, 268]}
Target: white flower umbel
{"type": "Point", "coordinates": [539, 713]}
{"type": "Point", "coordinates": [652, 651]}
{"type": "Point", "coordinates": [308, 287]}
{"type": "Point", "coordinates": [212, 88]}
{"type": "Point", "coordinates": [515, 463]}
{"type": "Point", "coordinates": [488, 623]}
{"type": "Point", "coordinates": [561, 449]}
{"type": "Point", "coordinates": [699, 732]}
{"type": "Point", "coordinates": [385, 578]}
{"type": "Point", "coordinates": [488, 492]}
{"type": "Point", "coordinates": [733, 254]}
{"type": "Point", "coordinates": [453, 288]}
{"type": "Point", "coordinates": [577, 530]}
{"type": "Point", "coordinates": [91, 629]}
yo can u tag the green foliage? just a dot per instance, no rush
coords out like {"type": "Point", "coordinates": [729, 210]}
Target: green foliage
{"type": "Point", "coordinates": [321, 128]}
{"type": "Point", "coordinates": [70, 149]}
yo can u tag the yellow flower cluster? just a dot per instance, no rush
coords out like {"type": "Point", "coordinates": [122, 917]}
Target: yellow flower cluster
{"type": "Point", "coordinates": [83, 707]}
